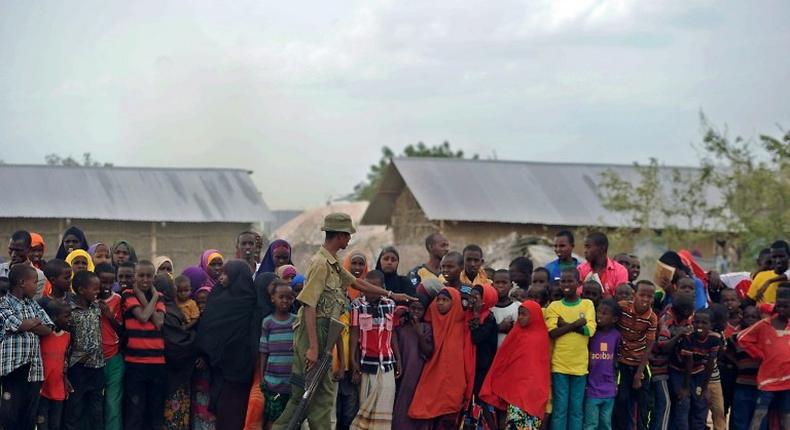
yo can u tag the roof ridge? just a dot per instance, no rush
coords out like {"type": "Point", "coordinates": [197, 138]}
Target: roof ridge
{"type": "Point", "coordinates": [531, 162]}
{"type": "Point", "coordinates": [161, 168]}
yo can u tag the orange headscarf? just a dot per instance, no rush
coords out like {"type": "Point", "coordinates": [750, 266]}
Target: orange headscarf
{"type": "Point", "coordinates": [520, 373]}
{"type": "Point", "coordinates": [353, 293]}
{"type": "Point", "coordinates": [443, 384]}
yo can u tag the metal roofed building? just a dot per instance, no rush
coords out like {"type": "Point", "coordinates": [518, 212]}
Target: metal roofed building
{"type": "Point", "coordinates": [177, 212]}
{"type": "Point", "coordinates": [479, 201]}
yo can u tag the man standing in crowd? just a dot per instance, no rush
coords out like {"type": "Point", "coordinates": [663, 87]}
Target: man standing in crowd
{"type": "Point", "coordinates": [437, 247]}
{"type": "Point", "coordinates": [19, 251]}
{"type": "Point", "coordinates": [599, 267]}
{"type": "Point", "coordinates": [323, 298]}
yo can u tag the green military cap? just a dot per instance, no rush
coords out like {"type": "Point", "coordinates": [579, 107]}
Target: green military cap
{"type": "Point", "coordinates": [338, 221]}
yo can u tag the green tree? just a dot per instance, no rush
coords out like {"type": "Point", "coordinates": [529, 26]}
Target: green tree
{"type": "Point", "coordinates": [752, 177]}
{"type": "Point", "coordinates": [367, 189]}
{"type": "Point", "coordinates": [87, 161]}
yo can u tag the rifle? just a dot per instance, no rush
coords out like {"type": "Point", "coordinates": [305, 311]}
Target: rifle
{"type": "Point", "coordinates": [314, 375]}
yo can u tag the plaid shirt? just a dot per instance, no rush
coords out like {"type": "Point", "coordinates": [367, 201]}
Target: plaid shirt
{"type": "Point", "coordinates": [18, 348]}
{"type": "Point", "coordinates": [375, 333]}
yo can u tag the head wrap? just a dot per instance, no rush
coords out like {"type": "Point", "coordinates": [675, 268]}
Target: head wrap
{"type": "Point", "coordinates": [285, 271]}
{"type": "Point", "coordinates": [520, 372]}
{"type": "Point", "coordinates": [209, 255]}
{"type": "Point", "coordinates": [230, 326]}
{"type": "Point", "coordinates": [37, 240]}
{"type": "Point", "coordinates": [76, 232]}
{"type": "Point", "coordinates": [160, 260]}
{"type": "Point", "coordinates": [95, 247]}
{"type": "Point", "coordinates": [297, 280]}
{"type": "Point", "coordinates": [267, 262]}
{"type": "Point", "coordinates": [132, 253]}
{"type": "Point", "coordinates": [198, 278]}
{"type": "Point", "coordinates": [80, 253]}
{"type": "Point", "coordinates": [352, 292]}
{"type": "Point", "coordinates": [392, 281]}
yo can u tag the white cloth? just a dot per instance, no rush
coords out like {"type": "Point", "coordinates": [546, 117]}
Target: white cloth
{"type": "Point", "coordinates": [500, 314]}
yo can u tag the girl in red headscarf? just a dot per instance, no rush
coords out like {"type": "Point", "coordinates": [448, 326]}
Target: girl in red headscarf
{"type": "Point", "coordinates": [441, 394]}
{"type": "Point", "coordinates": [518, 380]}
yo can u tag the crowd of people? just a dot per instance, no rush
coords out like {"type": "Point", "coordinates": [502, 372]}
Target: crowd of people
{"type": "Point", "coordinates": [96, 338]}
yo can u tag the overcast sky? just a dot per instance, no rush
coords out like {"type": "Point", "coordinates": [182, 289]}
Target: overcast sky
{"type": "Point", "coordinates": [306, 93]}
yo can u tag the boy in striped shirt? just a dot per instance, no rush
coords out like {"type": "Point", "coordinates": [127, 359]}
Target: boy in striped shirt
{"type": "Point", "coordinates": [276, 349]}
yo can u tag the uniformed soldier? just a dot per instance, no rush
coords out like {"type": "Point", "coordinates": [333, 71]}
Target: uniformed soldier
{"type": "Point", "coordinates": [323, 297]}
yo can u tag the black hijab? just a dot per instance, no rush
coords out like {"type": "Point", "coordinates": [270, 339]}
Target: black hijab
{"type": "Point", "coordinates": [392, 281]}
{"type": "Point", "coordinates": [76, 232]}
{"type": "Point", "coordinates": [180, 351]}
{"type": "Point", "coordinates": [229, 329]}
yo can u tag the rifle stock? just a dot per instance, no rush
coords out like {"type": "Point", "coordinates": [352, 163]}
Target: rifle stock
{"type": "Point", "coordinates": [314, 375]}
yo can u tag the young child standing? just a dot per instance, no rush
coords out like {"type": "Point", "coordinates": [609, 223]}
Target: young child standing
{"type": "Point", "coordinates": [506, 310]}
{"type": "Point", "coordinates": [86, 359]}
{"type": "Point", "coordinates": [54, 353]}
{"type": "Point", "coordinates": [767, 340]}
{"type": "Point", "coordinates": [518, 381]}
{"type": "Point", "coordinates": [21, 368]}
{"type": "Point", "coordinates": [637, 325]}
{"type": "Point", "coordinates": [571, 322]}
{"type": "Point", "coordinates": [602, 379]}
{"type": "Point", "coordinates": [111, 326]}
{"type": "Point", "coordinates": [672, 326]}
{"type": "Point", "coordinates": [188, 306]}
{"type": "Point", "coordinates": [276, 350]}
{"type": "Point", "coordinates": [59, 275]}
{"type": "Point", "coordinates": [374, 357]}
{"type": "Point", "coordinates": [745, 390]}
{"type": "Point", "coordinates": [146, 376]}
{"type": "Point", "coordinates": [690, 367]}
{"type": "Point", "coordinates": [592, 291]}
{"type": "Point", "coordinates": [415, 344]}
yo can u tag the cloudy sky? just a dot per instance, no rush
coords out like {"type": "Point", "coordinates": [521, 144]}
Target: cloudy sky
{"type": "Point", "coordinates": [306, 93]}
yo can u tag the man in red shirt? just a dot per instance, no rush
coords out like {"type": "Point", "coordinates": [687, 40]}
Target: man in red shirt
{"type": "Point", "coordinates": [599, 266]}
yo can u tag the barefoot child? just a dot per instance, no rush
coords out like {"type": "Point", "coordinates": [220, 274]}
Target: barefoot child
{"type": "Point", "coordinates": [276, 349]}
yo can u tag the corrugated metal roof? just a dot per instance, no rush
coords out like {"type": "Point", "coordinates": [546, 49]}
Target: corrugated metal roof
{"type": "Point", "coordinates": [564, 194]}
{"type": "Point", "coordinates": [130, 194]}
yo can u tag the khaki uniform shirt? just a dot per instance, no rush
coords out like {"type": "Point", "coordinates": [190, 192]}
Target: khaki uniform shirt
{"type": "Point", "coordinates": [325, 286]}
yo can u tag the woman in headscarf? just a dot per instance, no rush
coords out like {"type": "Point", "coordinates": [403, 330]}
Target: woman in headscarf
{"type": "Point", "coordinates": [100, 253]}
{"type": "Point", "coordinates": [518, 381]}
{"type": "Point", "coordinates": [198, 278]}
{"type": "Point", "coordinates": [211, 262]}
{"type": "Point", "coordinates": [388, 262]}
{"type": "Point", "coordinates": [357, 263]}
{"type": "Point", "coordinates": [278, 254]}
{"type": "Point", "coordinates": [180, 355]}
{"type": "Point", "coordinates": [228, 335]}
{"type": "Point", "coordinates": [73, 238]}
{"type": "Point", "coordinates": [163, 264]}
{"type": "Point", "coordinates": [37, 249]}
{"type": "Point", "coordinates": [79, 260]}
{"type": "Point", "coordinates": [447, 377]}
{"type": "Point", "coordinates": [123, 251]}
